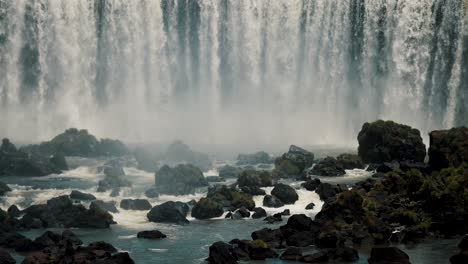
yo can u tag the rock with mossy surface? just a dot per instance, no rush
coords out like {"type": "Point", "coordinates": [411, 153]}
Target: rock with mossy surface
{"type": "Point", "coordinates": [386, 141]}
{"type": "Point", "coordinates": [230, 198]}
{"type": "Point", "coordinates": [328, 166]}
{"type": "Point", "coordinates": [169, 212]}
{"type": "Point", "coordinates": [448, 148]}
{"type": "Point", "coordinates": [207, 208]}
{"type": "Point", "coordinates": [294, 162]}
{"type": "Point", "coordinates": [180, 180]}
{"type": "Point", "coordinates": [253, 178]}
{"type": "Point", "coordinates": [285, 193]}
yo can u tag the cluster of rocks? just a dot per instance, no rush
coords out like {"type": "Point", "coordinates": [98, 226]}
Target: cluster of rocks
{"type": "Point", "coordinates": [180, 180]}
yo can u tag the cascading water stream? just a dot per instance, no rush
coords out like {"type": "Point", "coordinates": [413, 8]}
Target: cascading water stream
{"type": "Point", "coordinates": [215, 71]}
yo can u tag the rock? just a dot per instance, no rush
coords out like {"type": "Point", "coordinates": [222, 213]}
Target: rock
{"type": "Point", "coordinates": [311, 185]}
{"type": "Point", "coordinates": [14, 211]}
{"type": "Point", "coordinates": [243, 212]}
{"type": "Point", "coordinates": [105, 206]}
{"type": "Point", "coordinates": [285, 193]}
{"type": "Point", "coordinates": [221, 253]}
{"type": "Point", "coordinates": [274, 238]}
{"type": "Point", "coordinates": [152, 193]}
{"type": "Point", "coordinates": [207, 208]}
{"type": "Point", "coordinates": [272, 201]}
{"type": "Point", "coordinates": [6, 258]}
{"type": "Point", "coordinates": [273, 218]}
{"type": "Point", "coordinates": [58, 159]}
{"type": "Point", "coordinates": [135, 204]}
{"type": "Point", "coordinates": [300, 222]}
{"type": "Point", "coordinates": [388, 255]}
{"type": "Point", "coordinates": [181, 180]}
{"type": "Point", "coordinates": [4, 189]}
{"type": "Point", "coordinates": [256, 249]}
{"type": "Point", "coordinates": [111, 147]}
{"type": "Point", "coordinates": [295, 161]}
{"type": "Point", "coordinates": [228, 171]}
{"type": "Point", "coordinates": [70, 236]}
{"type": "Point", "coordinates": [114, 179]}
{"type": "Point", "coordinates": [350, 161]}
{"type": "Point", "coordinates": [301, 239]}
{"type": "Point", "coordinates": [180, 153]}
{"type": "Point", "coordinates": [153, 234]}
{"type": "Point", "coordinates": [343, 254]}
{"type": "Point", "coordinates": [328, 167]}
{"type": "Point", "coordinates": [146, 161]}
{"type": "Point", "coordinates": [114, 171]}
{"type": "Point", "coordinates": [229, 197]}
{"type": "Point", "coordinates": [214, 179]}
{"type": "Point", "coordinates": [259, 213]}
{"type": "Point", "coordinates": [252, 178]}
{"type": "Point", "coordinates": [319, 257]}
{"type": "Point", "coordinates": [115, 192]}
{"type": "Point", "coordinates": [292, 254]}
{"type": "Point", "coordinates": [461, 257]}
{"type": "Point", "coordinates": [448, 148]}
{"type": "Point", "coordinates": [77, 195]}
{"type": "Point", "coordinates": [327, 191]}
{"type": "Point", "coordinates": [253, 190]}
{"type": "Point", "coordinates": [310, 206]}
{"type": "Point", "coordinates": [169, 212]}
{"type": "Point", "coordinates": [387, 167]}
{"type": "Point", "coordinates": [13, 240]}
{"type": "Point", "coordinates": [61, 212]}
{"type": "Point", "coordinates": [385, 141]}
{"type": "Point", "coordinates": [253, 159]}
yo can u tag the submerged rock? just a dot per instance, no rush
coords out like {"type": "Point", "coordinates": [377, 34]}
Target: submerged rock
{"type": "Point", "coordinates": [260, 157]}
{"type": "Point", "coordinates": [135, 204]}
{"type": "Point", "coordinates": [181, 180]}
{"type": "Point", "coordinates": [169, 212]}
{"type": "Point", "coordinates": [385, 141]}
{"type": "Point", "coordinates": [77, 195]}
{"type": "Point", "coordinates": [207, 208]}
{"type": "Point", "coordinates": [285, 193]}
{"type": "Point", "coordinates": [448, 148]}
{"type": "Point", "coordinates": [153, 234]}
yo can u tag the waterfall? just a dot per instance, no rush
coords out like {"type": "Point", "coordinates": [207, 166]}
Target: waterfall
{"type": "Point", "coordinates": [238, 71]}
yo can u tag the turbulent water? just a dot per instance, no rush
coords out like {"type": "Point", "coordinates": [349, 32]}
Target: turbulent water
{"type": "Point", "coordinates": [238, 71]}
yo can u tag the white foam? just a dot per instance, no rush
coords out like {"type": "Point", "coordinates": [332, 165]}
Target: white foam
{"type": "Point", "coordinates": [159, 250]}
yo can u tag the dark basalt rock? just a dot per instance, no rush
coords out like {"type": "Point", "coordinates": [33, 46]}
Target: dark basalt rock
{"type": "Point", "coordinates": [310, 206]}
{"type": "Point", "coordinates": [260, 157]}
{"type": "Point", "coordinates": [4, 189]}
{"type": "Point", "coordinates": [448, 148]}
{"type": "Point", "coordinates": [292, 254]}
{"type": "Point", "coordinates": [253, 190]}
{"type": "Point", "coordinates": [294, 162]}
{"type": "Point", "coordinates": [253, 178]}
{"type": "Point", "coordinates": [13, 240]}
{"type": "Point", "coordinates": [285, 193]}
{"type": "Point", "coordinates": [77, 195]}
{"type": "Point", "coordinates": [135, 204]}
{"type": "Point", "coordinates": [388, 255]}
{"type": "Point", "coordinates": [286, 212]}
{"type": "Point", "coordinates": [273, 218]}
{"type": "Point", "coordinates": [229, 197]}
{"type": "Point", "coordinates": [256, 249]}
{"type": "Point", "coordinates": [243, 212]}
{"type": "Point", "coordinates": [272, 201]}
{"type": "Point", "coordinates": [222, 253]}
{"type": "Point", "coordinates": [327, 191]}
{"type": "Point", "coordinates": [462, 257]}
{"type": "Point", "coordinates": [350, 161]}
{"type": "Point", "coordinates": [228, 171]}
{"type": "Point", "coordinates": [387, 167]}
{"type": "Point", "coordinates": [105, 206]}
{"type": "Point", "coordinates": [153, 234]}
{"type": "Point", "coordinates": [328, 167]}
{"type": "Point", "coordinates": [169, 212]}
{"type": "Point", "coordinates": [13, 211]}
{"type": "Point", "coordinates": [259, 213]}
{"type": "Point", "coordinates": [181, 180]}
{"type": "Point", "coordinates": [311, 185]}
{"type": "Point", "coordinates": [385, 141]}
{"type": "Point", "coordinates": [61, 212]}
{"type": "Point", "coordinates": [6, 258]}
{"type": "Point", "coordinates": [152, 193]}
{"type": "Point", "coordinates": [207, 208]}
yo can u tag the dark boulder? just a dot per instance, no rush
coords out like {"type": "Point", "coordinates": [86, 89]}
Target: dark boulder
{"type": "Point", "coordinates": [272, 201]}
{"type": "Point", "coordinates": [385, 141]}
{"type": "Point", "coordinates": [462, 257]}
{"type": "Point", "coordinates": [228, 171]}
{"type": "Point", "coordinates": [13, 240]}
{"type": "Point", "coordinates": [105, 206]}
{"type": "Point", "coordinates": [311, 185]}
{"type": "Point", "coordinates": [152, 193]}
{"type": "Point", "coordinates": [6, 258]}
{"type": "Point", "coordinates": [294, 162]}
{"type": "Point", "coordinates": [301, 222]}
{"type": "Point", "coordinates": [387, 167]}
{"type": "Point", "coordinates": [77, 195]}
{"type": "Point", "coordinates": [135, 204]}
{"type": "Point", "coordinates": [153, 234]}
{"type": "Point", "coordinates": [181, 180]}
{"type": "Point", "coordinates": [318, 257]}
{"type": "Point", "coordinates": [207, 208]}
{"type": "Point", "coordinates": [286, 212]}
{"type": "Point", "coordinates": [253, 178]}
{"type": "Point", "coordinates": [222, 253]}
{"type": "Point", "coordinates": [310, 206]}
{"type": "Point", "coordinates": [229, 197]}
{"type": "Point", "coordinates": [301, 239]}
{"type": "Point", "coordinates": [253, 190]}
{"type": "Point", "coordinates": [329, 166]}
{"type": "Point", "coordinates": [448, 148]}
{"type": "Point", "coordinates": [285, 193]}
{"type": "Point", "coordinates": [253, 159]}
{"type": "Point", "coordinates": [273, 218]}
{"type": "Point", "coordinates": [4, 189]}
{"type": "Point", "coordinates": [388, 255]}
{"type": "Point", "coordinates": [350, 161]}
{"type": "Point", "coordinates": [71, 237]}
{"type": "Point", "coordinates": [169, 212]}
{"type": "Point", "coordinates": [243, 212]}
{"type": "Point", "coordinates": [13, 211]}
{"type": "Point", "coordinates": [327, 191]}
{"type": "Point", "coordinates": [256, 249]}
{"type": "Point", "coordinates": [292, 254]}
{"type": "Point", "coordinates": [259, 213]}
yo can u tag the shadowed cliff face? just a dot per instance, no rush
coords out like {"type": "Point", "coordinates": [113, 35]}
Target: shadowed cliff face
{"type": "Point", "coordinates": [238, 71]}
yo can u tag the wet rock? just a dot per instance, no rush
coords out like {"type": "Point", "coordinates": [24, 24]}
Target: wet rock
{"type": "Point", "coordinates": [253, 190]}
{"type": "Point", "coordinates": [114, 171]}
{"type": "Point", "coordinates": [259, 213]}
{"type": "Point", "coordinates": [286, 212]}
{"type": "Point", "coordinates": [14, 211]}
{"type": "Point", "coordinates": [13, 240]}
{"type": "Point", "coordinates": [350, 161]}
{"type": "Point", "coordinates": [388, 255]}
{"type": "Point", "coordinates": [169, 212]}
{"type": "Point", "coordinates": [4, 189]}
{"type": "Point", "coordinates": [71, 237]}
{"type": "Point", "coordinates": [114, 179]}
{"type": "Point", "coordinates": [253, 159]}
{"type": "Point", "coordinates": [327, 191]}
{"type": "Point", "coordinates": [292, 254]}
{"type": "Point", "coordinates": [153, 234]}
{"type": "Point", "coordinates": [256, 249]}
{"type": "Point", "coordinates": [294, 162]}
{"type": "Point", "coordinates": [207, 208]}
{"type": "Point", "coordinates": [135, 204]}
{"type": "Point", "coordinates": [272, 201]}
{"type": "Point", "coordinates": [145, 159]}
{"type": "Point", "coordinates": [243, 212]}
{"type": "Point", "coordinates": [105, 206]}
{"type": "Point", "coordinates": [319, 257]}
{"type": "Point", "coordinates": [448, 148]}
{"type": "Point", "coordinates": [311, 185]}
{"type": "Point", "coordinates": [181, 180]}
{"type": "Point", "coordinates": [228, 171]}
{"type": "Point", "coordinates": [385, 141]}
{"type": "Point", "coordinates": [301, 222]}
{"type": "Point", "coordinates": [253, 178]}
{"type": "Point", "coordinates": [6, 258]}
{"type": "Point", "coordinates": [229, 197]}
{"type": "Point", "coordinates": [461, 257]}
{"type": "Point", "coordinates": [273, 218]}
{"type": "Point", "coordinates": [77, 195]}
{"type": "Point", "coordinates": [328, 167]}
{"type": "Point", "coordinates": [221, 253]}
{"type": "Point", "coordinates": [285, 193]}
{"type": "Point", "coordinates": [387, 167]}
{"type": "Point", "coordinates": [152, 193]}
{"type": "Point", "coordinates": [310, 206]}
{"type": "Point", "coordinates": [301, 239]}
